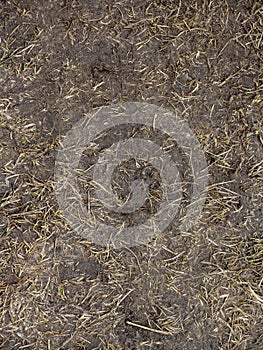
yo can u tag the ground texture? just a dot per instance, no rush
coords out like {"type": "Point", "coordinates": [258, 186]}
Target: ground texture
{"type": "Point", "coordinates": [196, 290]}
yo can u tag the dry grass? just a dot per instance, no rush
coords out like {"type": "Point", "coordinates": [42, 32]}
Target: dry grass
{"type": "Point", "coordinates": [196, 290]}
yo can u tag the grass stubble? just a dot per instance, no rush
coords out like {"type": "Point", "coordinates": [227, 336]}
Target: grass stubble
{"type": "Point", "coordinates": [201, 289]}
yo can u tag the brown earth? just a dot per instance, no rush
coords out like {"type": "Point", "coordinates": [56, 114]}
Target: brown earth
{"type": "Point", "coordinates": [197, 290]}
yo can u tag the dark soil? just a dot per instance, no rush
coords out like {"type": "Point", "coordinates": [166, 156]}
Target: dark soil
{"type": "Point", "coordinates": [59, 60]}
